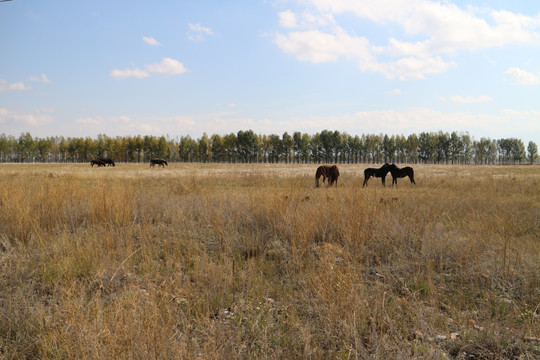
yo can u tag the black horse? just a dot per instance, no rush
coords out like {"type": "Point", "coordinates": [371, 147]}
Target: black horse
{"type": "Point", "coordinates": [401, 173]}
{"type": "Point", "coordinates": [380, 173]}
{"type": "Point", "coordinates": [159, 162]}
{"type": "Point", "coordinates": [108, 162]}
{"type": "Point", "coordinates": [99, 163]}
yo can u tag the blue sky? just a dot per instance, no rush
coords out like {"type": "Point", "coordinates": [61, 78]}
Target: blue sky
{"type": "Point", "coordinates": [174, 68]}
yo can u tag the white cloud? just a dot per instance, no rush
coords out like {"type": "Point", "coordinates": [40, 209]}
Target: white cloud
{"type": "Point", "coordinates": [98, 120]}
{"type": "Point", "coordinates": [197, 32]}
{"type": "Point", "coordinates": [151, 41]}
{"type": "Point", "coordinates": [122, 119]}
{"type": "Point", "coordinates": [448, 27]}
{"type": "Point", "coordinates": [18, 86]}
{"type": "Point", "coordinates": [179, 120]}
{"type": "Point", "coordinates": [438, 29]}
{"type": "Point", "coordinates": [397, 122]}
{"type": "Point", "coordinates": [42, 78]}
{"type": "Point", "coordinates": [167, 66]}
{"type": "Point", "coordinates": [507, 123]}
{"type": "Point", "coordinates": [469, 99]}
{"type": "Point", "coordinates": [287, 19]}
{"type": "Point", "coordinates": [395, 92]}
{"type": "Point", "coordinates": [410, 67]}
{"type": "Point", "coordinates": [128, 73]}
{"type": "Point", "coordinates": [522, 77]}
{"type": "Point", "coordinates": [318, 47]}
{"type": "Point", "coordinates": [144, 129]}
{"type": "Point", "coordinates": [413, 68]}
{"type": "Point", "coordinates": [11, 118]}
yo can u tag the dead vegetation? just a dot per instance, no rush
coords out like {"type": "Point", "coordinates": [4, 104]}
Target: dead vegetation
{"type": "Point", "coordinates": [252, 261]}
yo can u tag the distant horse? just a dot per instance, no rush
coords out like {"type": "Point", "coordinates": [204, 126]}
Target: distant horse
{"type": "Point", "coordinates": [401, 173]}
{"type": "Point", "coordinates": [108, 162]}
{"type": "Point", "coordinates": [159, 162]}
{"type": "Point", "coordinates": [97, 162]}
{"type": "Point", "coordinates": [380, 173]}
{"type": "Point", "coordinates": [327, 171]}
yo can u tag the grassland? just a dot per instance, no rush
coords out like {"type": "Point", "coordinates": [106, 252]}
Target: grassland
{"type": "Point", "coordinates": [252, 261]}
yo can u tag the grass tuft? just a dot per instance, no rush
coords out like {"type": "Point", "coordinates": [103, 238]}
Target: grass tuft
{"type": "Point", "coordinates": [252, 261]}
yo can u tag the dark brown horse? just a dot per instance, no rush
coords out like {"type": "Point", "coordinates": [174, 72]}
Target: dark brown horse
{"type": "Point", "coordinates": [401, 173]}
{"type": "Point", "coordinates": [380, 173]}
{"type": "Point", "coordinates": [108, 162]}
{"type": "Point", "coordinates": [97, 162]}
{"type": "Point", "coordinates": [327, 171]}
{"type": "Point", "coordinates": [159, 162]}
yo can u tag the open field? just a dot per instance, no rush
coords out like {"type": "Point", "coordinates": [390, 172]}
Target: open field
{"type": "Point", "coordinates": [251, 261]}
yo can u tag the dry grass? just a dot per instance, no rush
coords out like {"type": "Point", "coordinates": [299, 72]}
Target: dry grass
{"type": "Point", "coordinates": [252, 261]}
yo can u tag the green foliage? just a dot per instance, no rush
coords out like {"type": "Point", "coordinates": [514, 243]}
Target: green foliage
{"type": "Point", "coordinates": [248, 147]}
{"type": "Point", "coordinates": [532, 152]}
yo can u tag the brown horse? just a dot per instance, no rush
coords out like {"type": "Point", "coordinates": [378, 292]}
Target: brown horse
{"type": "Point", "coordinates": [401, 173]}
{"type": "Point", "coordinates": [327, 171]}
{"type": "Point", "coordinates": [108, 162]}
{"type": "Point", "coordinates": [380, 173]}
{"type": "Point", "coordinates": [97, 162]}
{"type": "Point", "coordinates": [159, 162]}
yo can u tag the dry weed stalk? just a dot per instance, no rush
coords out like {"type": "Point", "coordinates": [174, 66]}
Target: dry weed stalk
{"type": "Point", "coordinates": [251, 261]}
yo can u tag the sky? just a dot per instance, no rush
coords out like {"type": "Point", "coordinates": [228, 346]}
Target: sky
{"type": "Point", "coordinates": [177, 68]}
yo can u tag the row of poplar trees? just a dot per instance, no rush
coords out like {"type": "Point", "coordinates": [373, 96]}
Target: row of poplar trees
{"type": "Point", "coordinates": [246, 146]}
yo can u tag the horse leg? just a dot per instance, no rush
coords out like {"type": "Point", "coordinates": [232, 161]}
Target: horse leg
{"type": "Point", "coordinates": [317, 181]}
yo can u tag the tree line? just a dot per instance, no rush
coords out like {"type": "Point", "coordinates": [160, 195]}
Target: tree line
{"type": "Point", "coordinates": [248, 147]}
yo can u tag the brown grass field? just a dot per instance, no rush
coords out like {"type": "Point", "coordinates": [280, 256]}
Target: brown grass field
{"type": "Point", "coordinates": [254, 262]}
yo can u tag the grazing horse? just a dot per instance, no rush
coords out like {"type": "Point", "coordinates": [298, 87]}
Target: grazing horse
{"type": "Point", "coordinates": [159, 162]}
{"type": "Point", "coordinates": [108, 162]}
{"type": "Point", "coordinates": [97, 162]}
{"type": "Point", "coordinates": [327, 171]}
{"type": "Point", "coordinates": [380, 173]}
{"type": "Point", "coordinates": [401, 173]}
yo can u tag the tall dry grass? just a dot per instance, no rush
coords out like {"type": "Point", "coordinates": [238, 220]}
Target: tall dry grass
{"type": "Point", "coordinates": [252, 261]}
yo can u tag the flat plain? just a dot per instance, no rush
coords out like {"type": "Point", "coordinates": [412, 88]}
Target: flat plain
{"type": "Point", "coordinates": [252, 261]}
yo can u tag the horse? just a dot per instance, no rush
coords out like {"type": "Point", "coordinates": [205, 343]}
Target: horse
{"type": "Point", "coordinates": [159, 162]}
{"type": "Point", "coordinates": [380, 173]}
{"type": "Point", "coordinates": [327, 171]}
{"type": "Point", "coordinates": [108, 162]}
{"type": "Point", "coordinates": [97, 162]}
{"type": "Point", "coordinates": [401, 173]}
